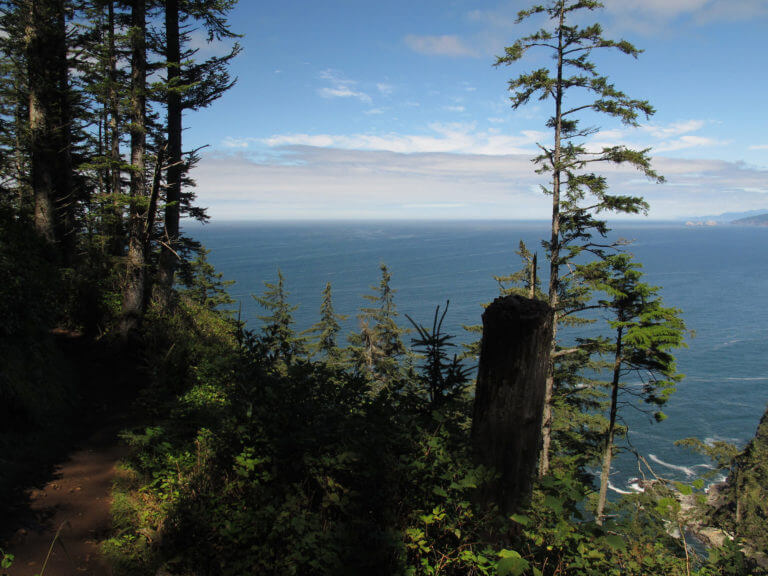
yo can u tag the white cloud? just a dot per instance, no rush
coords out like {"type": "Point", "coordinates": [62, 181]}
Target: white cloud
{"type": "Point", "coordinates": [230, 142]}
{"type": "Point", "coordinates": [759, 147]}
{"type": "Point", "coordinates": [447, 45]}
{"type": "Point", "coordinates": [454, 108]}
{"type": "Point", "coordinates": [384, 88]}
{"type": "Point", "coordinates": [674, 129]}
{"type": "Point", "coordinates": [660, 138]}
{"type": "Point", "coordinates": [718, 10]}
{"type": "Point", "coordinates": [343, 92]}
{"type": "Point", "coordinates": [433, 205]}
{"type": "Point", "coordinates": [466, 138]}
{"type": "Point", "coordinates": [198, 40]}
{"type": "Point", "coordinates": [341, 87]}
{"type": "Point", "coordinates": [652, 16]}
{"type": "Point", "coordinates": [687, 141]}
{"type": "Point", "coordinates": [341, 183]}
{"type": "Point", "coordinates": [450, 137]}
{"type": "Point", "coordinates": [647, 17]}
{"type": "Point", "coordinates": [335, 183]}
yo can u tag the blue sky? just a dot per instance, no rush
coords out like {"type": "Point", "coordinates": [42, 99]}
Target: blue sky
{"type": "Point", "coordinates": [360, 109]}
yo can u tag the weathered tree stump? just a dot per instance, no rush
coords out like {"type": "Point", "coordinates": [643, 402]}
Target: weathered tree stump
{"type": "Point", "coordinates": [509, 399]}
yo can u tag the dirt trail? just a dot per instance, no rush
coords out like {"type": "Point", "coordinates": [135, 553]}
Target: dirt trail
{"type": "Point", "coordinates": [77, 502]}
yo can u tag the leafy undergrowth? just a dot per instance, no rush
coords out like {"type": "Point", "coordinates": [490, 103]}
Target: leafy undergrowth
{"type": "Point", "coordinates": [262, 464]}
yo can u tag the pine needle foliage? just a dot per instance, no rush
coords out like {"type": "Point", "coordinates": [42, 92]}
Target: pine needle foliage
{"type": "Point", "coordinates": [575, 89]}
{"type": "Point", "coordinates": [376, 350]}
{"type": "Point", "coordinates": [204, 285]}
{"type": "Point", "coordinates": [277, 334]}
{"type": "Point", "coordinates": [444, 377]}
{"type": "Point", "coordinates": [645, 333]}
{"type": "Point", "coordinates": [323, 335]}
{"type": "Point", "coordinates": [524, 282]}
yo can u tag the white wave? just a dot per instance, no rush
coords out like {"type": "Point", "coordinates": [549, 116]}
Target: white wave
{"type": "Point", "coordinates": [728, 343]}
{"type": "Point", "coordinates": [619, 490]}
{"type": "Point", "coordinates": [719, 479]}
{"type": "Point", "coordinates": [684, 469]}
{"type": "Point", "coordinates": [636, 487]}
{"type": "Point", "coordinates": [710, 440]}
{"type": "Point", "coordinates": [731, 379]}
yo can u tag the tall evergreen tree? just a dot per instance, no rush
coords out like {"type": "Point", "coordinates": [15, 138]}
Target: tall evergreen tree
{"type": "Point", "coordinates": [50, 124]}
{"type": "Point", "coordinates": [135, 278]}
{"type": "Point", "coordinates": [324, 339]}
{"type": "Point", "coordinates": [14, 108]}
{"type": "Point", "coordinates": [644, 334]}
{"type": "Point", "coordinates": [378, 347]}
{"type": "Point", "coordinates": [189, 85]}
{"type": "Point", "coordinates": [573, 85]}
{"type": "Point", "coordinates": [280, 341]}
{"type": "Point", "coordinates": [169, 245]}
{"type": "Point", "coordinates": [103, 77]}
{"type": "Point", "coordinates": [204, 285]}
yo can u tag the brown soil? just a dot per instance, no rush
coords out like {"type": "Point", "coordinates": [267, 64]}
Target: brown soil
{"type": "Point", "coordinates": [75, 505]}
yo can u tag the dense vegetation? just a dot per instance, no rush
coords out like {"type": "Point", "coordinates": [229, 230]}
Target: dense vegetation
{"type": "Point", "coordinates": [277, 452]}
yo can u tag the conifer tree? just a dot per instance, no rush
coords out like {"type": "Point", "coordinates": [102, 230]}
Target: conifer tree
{"type": "Point", "coordinates": [281, 343]}
{"type": "Point", "coordinates": [102, 72]}
{"type": "Point", "coordinates": [644, 334]}
{"type": "Point", "coordinates": [524, 282]}
{"type": "Point", "coordinates": [168, 254]}
{"type": "Point", "coordinates": [204, 285]}
{"type": "Point", "coordinates": [14, 109]}
{"type": "Point", "coordinates": [444, 377]}
{"type": "Point", "coordinates": [190, 85]}
{"type": "Point", "coordinates": [376, 350]}
{"type": "Point", "coordinates": [50, 124]}
{"type": "Point", "coordinates": [135, 279]}
{"type": "Point", "coordinates": [324, 342]}
{"type": "Point", "coordinates": [573, 85]}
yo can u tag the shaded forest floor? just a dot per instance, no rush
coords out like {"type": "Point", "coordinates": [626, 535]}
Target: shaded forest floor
{"type": "Point", "coordinates": [70, 515]}
{"type": "Point", "coordinates": [58, 476]}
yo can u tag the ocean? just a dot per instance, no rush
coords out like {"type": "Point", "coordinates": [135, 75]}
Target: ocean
{"type": "Point", "coordinates": [717, 276]}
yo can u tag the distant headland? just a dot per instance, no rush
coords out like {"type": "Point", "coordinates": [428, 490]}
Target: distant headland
{"type": "Point", "coordinates": [750, 218]}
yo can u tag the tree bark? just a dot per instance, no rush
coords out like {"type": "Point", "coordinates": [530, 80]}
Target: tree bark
{"type": "Point", "coordinates": [509, 398]}
{"type": "Point", "coordinates": [554, 259]}
{"type": "Point", "coordinates": [605, 473]}
{"type": "Point", "coordinates": [113, 103]}
{"type": "Point", "coordinates": [49, 125]}
{"type": "Point", "coordinates": [168, 255]}
{"type": "Point", "coordinates": [135, 278]}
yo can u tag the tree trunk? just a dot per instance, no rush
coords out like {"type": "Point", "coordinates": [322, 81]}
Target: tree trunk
{"type": "Point", "coordinates": [113, 103]}
{"type": "Point", "coordinates": [554, 261]}
{"type": "Point", "coordinates": [509, 399]}
{"type": "Point", "coordinates": [168, 255]}
{"type": "Point", "coordinates": [49, 125]}
{"type": "Point", "coordinates": [133, 291]}
{"type": "Point", "coordinates": [21, 123]}
{"type": "Point", "coordinates": [605, 474]}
